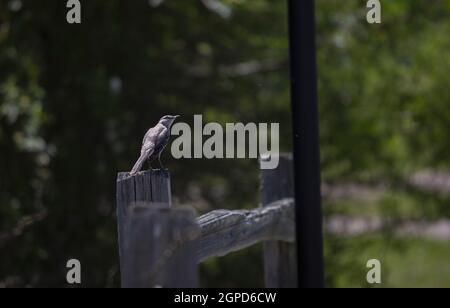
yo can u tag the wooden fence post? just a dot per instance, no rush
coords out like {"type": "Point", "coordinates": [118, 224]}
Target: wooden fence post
{"type": "Point", "coordinates": [152, 186]}
{"type": "Point", "coordinates": [280, 262]}
{"type": "Point", "coordinates": [160, 248]}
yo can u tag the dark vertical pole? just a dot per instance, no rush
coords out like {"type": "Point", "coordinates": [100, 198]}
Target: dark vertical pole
{"type": "Point", "coordinates": [306, 143]}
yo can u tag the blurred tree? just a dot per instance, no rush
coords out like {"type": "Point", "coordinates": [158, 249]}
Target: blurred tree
{"type": "Point", "coordinates": [75, 101]}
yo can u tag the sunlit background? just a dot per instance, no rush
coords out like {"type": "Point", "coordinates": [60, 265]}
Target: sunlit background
{"type": "Point", "coordinates": [75, 101]}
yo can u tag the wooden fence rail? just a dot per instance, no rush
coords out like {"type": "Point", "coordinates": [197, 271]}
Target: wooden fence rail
{"type": "Point", "coordinates": [160, 246]}
{"type": "Point", "coordinates": [225, 231]}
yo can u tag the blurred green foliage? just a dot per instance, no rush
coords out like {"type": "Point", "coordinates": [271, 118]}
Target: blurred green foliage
{"type": "Point", "coordinates": [75, 101]}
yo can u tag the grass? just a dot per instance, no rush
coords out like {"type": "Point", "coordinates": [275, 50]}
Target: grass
{"type": "Point", "coordinates": [406, 262]}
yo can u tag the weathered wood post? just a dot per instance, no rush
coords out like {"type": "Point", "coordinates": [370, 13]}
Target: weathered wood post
{"type": "Point", "coordinates": [160, 248]}
{"type": "Point", "coordinates": [147, 229]}
{"type": "Point", "coordinates": [152, 186]}
{"type": "Point", "coordinates": [280, 261]}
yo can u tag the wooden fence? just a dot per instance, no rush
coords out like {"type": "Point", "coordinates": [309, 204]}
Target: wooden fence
{"type": "Point", "coordinates": [161, 246]}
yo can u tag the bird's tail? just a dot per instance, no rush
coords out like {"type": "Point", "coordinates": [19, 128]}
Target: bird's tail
{"type": "Point", "coordinates": [138, 165]}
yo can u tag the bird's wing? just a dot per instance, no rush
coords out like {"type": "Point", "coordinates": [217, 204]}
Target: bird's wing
{"type": "Point", "coordinates": [162, 139]}
{"type": "Point", "coordinates": [147, 150]}
{"type": "Point", "coordinates": [151, 138]}
{"type": "Point", "coordinates": [148, 147]}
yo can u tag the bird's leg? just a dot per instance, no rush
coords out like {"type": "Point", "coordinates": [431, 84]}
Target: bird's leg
{"type": "Point", "coordinates": [160, 163]}
{"type": "Point", "coordinates": [150, 164]}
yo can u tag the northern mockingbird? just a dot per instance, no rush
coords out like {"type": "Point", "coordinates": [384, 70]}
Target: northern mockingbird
{"type": "Point", "coordinates": [155, 140]}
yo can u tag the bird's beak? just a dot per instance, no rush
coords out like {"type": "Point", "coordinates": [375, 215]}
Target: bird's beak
{"type": "Point", "coordinates": [177, 116]}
